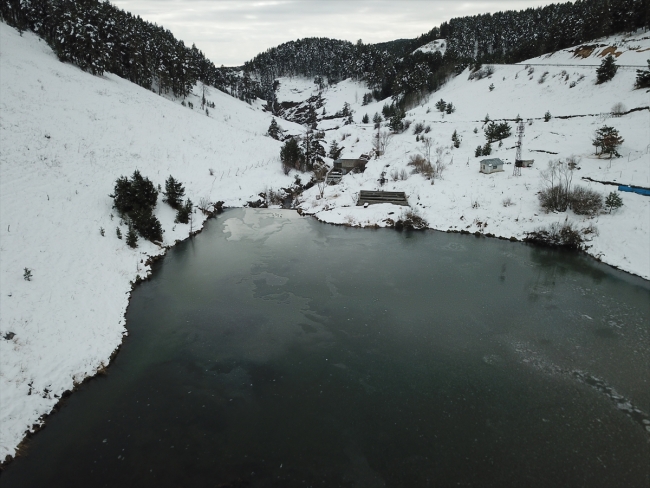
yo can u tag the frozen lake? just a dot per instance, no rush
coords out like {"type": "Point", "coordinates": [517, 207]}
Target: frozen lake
{"type": "Point", "coordinates": [274, 350]}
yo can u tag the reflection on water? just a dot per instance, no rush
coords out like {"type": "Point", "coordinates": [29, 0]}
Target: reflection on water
{"type": "Point", "coordinates": [273, 350]}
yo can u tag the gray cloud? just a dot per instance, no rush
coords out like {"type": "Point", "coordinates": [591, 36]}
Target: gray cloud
{"type": "Point", "coordinates": [230, 32]}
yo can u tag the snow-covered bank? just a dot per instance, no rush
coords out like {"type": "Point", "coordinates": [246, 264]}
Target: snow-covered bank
{"type": "Point", "coordinates": [65, 137]}
{"type": "Point", "coordinates": [502, 204]}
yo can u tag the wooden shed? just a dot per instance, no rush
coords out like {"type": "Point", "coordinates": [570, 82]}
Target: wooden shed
{"type": "Point", "coordinates": [492, 165]}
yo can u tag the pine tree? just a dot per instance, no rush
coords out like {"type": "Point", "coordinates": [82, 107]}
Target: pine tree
{"type": "Point", "coordinates": [131, 237]}
{"type": "Point", "coordinates": [547, 116]}
{"type": "Point", "coordinates": [118, 232]}
{"type": "Point", "coordinates": [613, 201]}
{"type": "Point", "coordinates": [183, 212]}
{"type": "Point", "coordinates": [643, 77]}
{"type": "Point", "coordinates": [487, 149]}
{"type": "Point", "coordinates": [290, 154]}
{"type": "Point", "coordinates": [455, 139]}
{"type": "Point", "coordinates": [334, 151]}
{"type": "Point", "coordinates": [607, 139]}
{"type": "Point", "coordinates": [478, 152]}
{"type": "Point", "coordinates": [174, 192]}
{"type": "Point", "coordinates": [450, 108]}
{"type": "Point", "coordinates": [274, 130]}
{"type": "Point", "coordinates": [606, 70]}
{"type": "Point", "coordinates": [441, 105]}
{"type": "Point", "coordinates": [365, 119]}
{"type": "Point", "coordinates": [377, 119]}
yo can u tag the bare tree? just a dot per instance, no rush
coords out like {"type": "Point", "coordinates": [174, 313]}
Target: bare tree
{"type": "Point", "coordinates": [381, 141]}
{"type": "Point", "coordinates": [427, 143]}
{"type": "Point", "coordinates": [557, 179]}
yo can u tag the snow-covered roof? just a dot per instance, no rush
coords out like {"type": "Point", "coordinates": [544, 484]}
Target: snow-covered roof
{"type": "Point", "coordinates": [492, 161]}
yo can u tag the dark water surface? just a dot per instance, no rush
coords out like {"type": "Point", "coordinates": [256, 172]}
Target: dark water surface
{"type": "Point", "coordinates": [273, 350]}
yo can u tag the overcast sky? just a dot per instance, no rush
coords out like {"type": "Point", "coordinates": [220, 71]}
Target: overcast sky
{"type": "Point", "coordinates": [230, 32]}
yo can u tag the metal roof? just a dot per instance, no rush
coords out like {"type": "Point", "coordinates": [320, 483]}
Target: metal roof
{"type": "Point", "coordinates": [492, 161]}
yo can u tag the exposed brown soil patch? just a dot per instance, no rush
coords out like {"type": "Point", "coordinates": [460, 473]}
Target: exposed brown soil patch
{"type": "Point", "coordinates": [610, 50]}
{"type": "Point", "coordinates": [584, 51]}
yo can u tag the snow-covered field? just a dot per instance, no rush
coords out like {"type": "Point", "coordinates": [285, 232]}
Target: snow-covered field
{"type": "Point", "coordinates": [65, 136]}
{"type": "Point", "coordinates": [465, 199]}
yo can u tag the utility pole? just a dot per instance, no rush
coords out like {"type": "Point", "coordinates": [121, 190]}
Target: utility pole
{"type": "Point", "coordinates": [518, 162]}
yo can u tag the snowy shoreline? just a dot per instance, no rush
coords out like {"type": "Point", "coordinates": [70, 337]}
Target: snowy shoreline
{"type": "Point", "coordinates": [66, 136]}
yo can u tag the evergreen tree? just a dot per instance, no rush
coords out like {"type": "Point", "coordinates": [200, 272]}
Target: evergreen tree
{"type": "Point", "coordinates": [487, 149]}
{"type": "Point", "coordinates": [365, 119]}
{"type": "Point", "coordinates": [606, 70]}
{"type": "Point", "coordinates": [607, 139]}
{"type": "Point", "coordinates": [478, 152]}
{"type": "Point", "coordinates": [496, 132]}
{"type": "Point", "coordinates": [118, 232]}
{"type": "Point", "coordinates": [455, 139]}
{"type": "Point", "coordinates": [274, 130]}
{"type": "Point", "coordinates": [450, 109]}
{"type": "Point", "coordinates": [334, 151]}
{"type": "Point", "coordinates": [183, 212]}
{"type": "Point", "coordinates": [547, 116]}
{"type": "Point", "coordinates": [613, 201]}
{"type": "Point", "coordinates": [290, 154]}
{"type": "Point", "coordinates": [643, 77]}
{"type": "Point", "coordinates": [377, 120]}
{"type": "Point", "coordinates": [131, 237]}
{"type": "Point", "coordinates": [441, 105]}
{"type": "Point", "coordinates": [174, 192]}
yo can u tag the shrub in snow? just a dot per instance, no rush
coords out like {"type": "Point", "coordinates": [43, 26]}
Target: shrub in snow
{"type": "Point", "coordinates": [419, 127]}
{"type": "Point", "coordinates": [27, 274]}
{"type": "Point", "coordinates": [441, 105]}
{"type": "Point", "coordinates": [547, 116]}
{"type": "Point", "coordinates": [118, 232]}
{"type": "Point", "coordinates": [613, 201]}
{"type": "Point", "coordinates": [101, 231]}
{"type": "Point", "coordinates": [607, 70]}
{"type": "Point", "coordinates": [491, 87]}
{"type": "Point", "coordinates": [557, 179]}
{"type": "Point", "coordinates": [618, 109]}
{"type": "Point", "coordinates": [450, 108]}
{"type": "Point", "coordinates": [557, 234]}
{"type": "Point", "coordinates": [410, 219]}
{"type": "Point", "coordinates": [584, 201]}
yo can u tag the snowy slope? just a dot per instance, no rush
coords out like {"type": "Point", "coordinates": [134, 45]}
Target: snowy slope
{"type": "Point", "coordinates": [65, 137]}
{"type": "Point", "coordinates": [439, 45]}
{"type": "Point", "coordinates": [468, 200]}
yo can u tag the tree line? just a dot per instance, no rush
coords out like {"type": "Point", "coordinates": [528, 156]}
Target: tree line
{"type": "Point", "coordinates": [99, 37]}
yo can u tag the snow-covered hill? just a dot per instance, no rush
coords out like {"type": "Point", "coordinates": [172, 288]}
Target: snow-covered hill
{"type": "Point", "coordinates": [65, 137]}
{"type": "Point", "coordinates": [467, 200]}
{"type": "Point", "coordinates": [438, 45]}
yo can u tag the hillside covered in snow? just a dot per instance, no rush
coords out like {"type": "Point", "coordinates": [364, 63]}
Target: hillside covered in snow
{"type": "Point", "coordinates": [66, 136]}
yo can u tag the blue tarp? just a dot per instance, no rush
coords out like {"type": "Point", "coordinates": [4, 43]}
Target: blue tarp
{"type": "Point", "coordinates": [632, 189]}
